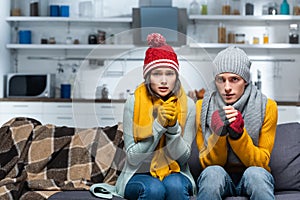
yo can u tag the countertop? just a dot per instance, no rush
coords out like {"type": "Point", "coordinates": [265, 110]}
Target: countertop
{"type": "Point", "coordinates": [280, 103]}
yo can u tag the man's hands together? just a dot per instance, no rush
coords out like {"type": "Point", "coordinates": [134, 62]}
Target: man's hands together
{"type": "Point", "coordinates": [228, 120]}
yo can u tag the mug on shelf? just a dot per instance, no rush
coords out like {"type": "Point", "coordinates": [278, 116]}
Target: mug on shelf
{"type": "Point", "coordinates": [25, 37]}
{"type": "Point", "coordinates": [64, 11]}
{"type": "Point", "coordinates": [54, 10]}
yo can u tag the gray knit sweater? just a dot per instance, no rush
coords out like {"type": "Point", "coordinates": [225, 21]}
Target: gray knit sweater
{"type": "Point", "coordinates": [179, 147]}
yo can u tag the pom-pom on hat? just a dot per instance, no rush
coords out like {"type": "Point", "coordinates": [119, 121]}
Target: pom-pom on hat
{"type": "Point", "coordinates": [159, 54]}
{"type": "Point", "coordinates": [233, 60]}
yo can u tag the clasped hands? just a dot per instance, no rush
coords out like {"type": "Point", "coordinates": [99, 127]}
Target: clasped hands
{"type": "Point", "coordinates": [228, 121]}
{"type": "Point", "coordinates": [167, 114]}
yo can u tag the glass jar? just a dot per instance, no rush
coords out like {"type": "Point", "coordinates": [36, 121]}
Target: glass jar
{"type": "Point", "coordinates": [249, 7]}
{"type": "Point", "coordinates": [231, 37]}
{"type": "Point", "coordinates": [273, 8]}
{"type": "Point", "coordinates": [52, 40]}
{"type": "Point", "coordinates": [236, 7]}
{"type": "Point", "coordinates": [194, 8]}
{"type": "Point", "coordinates": [296, 7]}
{"type": "Point", "coordinates": [294, 34]}
{"type": "Point", "coordinates": [92, 39]}
{"type": "Point", "coordinates": [221, 33]}
{"type": "Point", "coordinates": [240, 38]}
{"type": "Point", "coordinates": [101, 37]}
{"type": "Point", "coordinates": [69, 40]}
{"type": "Point", "coordinates": [15, 8]}
{"type": "Point", "coordinates": [203, 5]}
{"type": "Point", "coordinates": [34, 7]}
{"type": "Point", "coordinates": [255, 40]}
{"type": "Point", "coordinates": [266, 37]}
{"type": "Point", "coordinates": [226, 7]}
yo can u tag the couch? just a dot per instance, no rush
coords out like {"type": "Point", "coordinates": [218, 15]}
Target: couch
{"type": "Point", "coordinates": [50, 162]}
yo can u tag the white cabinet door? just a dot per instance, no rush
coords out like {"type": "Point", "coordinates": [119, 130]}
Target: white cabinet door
{"type": "Point", "coordinates": [109, 114]}
{"type": "Point", "coordinates": [58, 113]}
{"type": "Point", "coordinates": [82, 114]}
{"type": "Point", "coordinates": [9, 110]}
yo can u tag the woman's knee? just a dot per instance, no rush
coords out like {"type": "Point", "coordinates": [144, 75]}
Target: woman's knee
{"type": "Point", "coordinates": [176, 181]}
{"type": "Point", "coordinates": [156, 190]}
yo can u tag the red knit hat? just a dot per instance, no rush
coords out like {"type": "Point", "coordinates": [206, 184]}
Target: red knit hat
{"type": "Point", "coordinates": [159, 54]}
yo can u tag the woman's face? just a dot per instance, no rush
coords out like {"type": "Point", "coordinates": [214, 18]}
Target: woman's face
{"type": "Point", "coordinates": [162, 80]}
{"type": "Point", "coordinates": [230, 86]}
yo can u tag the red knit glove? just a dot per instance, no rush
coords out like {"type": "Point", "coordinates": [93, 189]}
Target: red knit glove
{"type": "Point", "coordinates": [219, 122]}
{"type": "Point", "coordinates": [236, 128]}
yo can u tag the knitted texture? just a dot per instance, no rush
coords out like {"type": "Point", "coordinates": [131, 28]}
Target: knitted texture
{"type": "Point", "coordinates": [233, 60]}
{"type": "Point", "coordinates": [159, 54]}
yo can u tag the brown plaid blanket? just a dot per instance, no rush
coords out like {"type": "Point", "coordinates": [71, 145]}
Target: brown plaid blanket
{"type": "Point", "coordinates": [38, 160]}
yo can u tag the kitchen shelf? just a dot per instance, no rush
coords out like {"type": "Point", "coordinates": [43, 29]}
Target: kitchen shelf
{"type": "Point", "coordinates": [69, 19]}
{"type": "Point", "coordinates": [248, 18]}
{"type": "Point", "coordinates": [262, 18]}
{"type": "Point", "coordinates": [131, 46]}
{"type": "Point", "coordinates": [70, 46]}
{"type": "Point", "coordinates": [245, 46]}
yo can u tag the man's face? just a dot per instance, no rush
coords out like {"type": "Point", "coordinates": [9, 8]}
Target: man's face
{"type": "Point", "coordinates": [230, 86]}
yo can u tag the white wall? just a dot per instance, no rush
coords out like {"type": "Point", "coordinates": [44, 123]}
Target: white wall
{"type": "Point", "coordinates": [4, 39]}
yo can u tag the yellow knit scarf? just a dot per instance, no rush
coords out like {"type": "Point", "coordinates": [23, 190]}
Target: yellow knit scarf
{"type": "Point", "coordinates": [161, 165]}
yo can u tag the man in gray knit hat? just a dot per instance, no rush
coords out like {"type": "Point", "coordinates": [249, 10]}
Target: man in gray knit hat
{"type": "Point", "coordinates": [236, 126]}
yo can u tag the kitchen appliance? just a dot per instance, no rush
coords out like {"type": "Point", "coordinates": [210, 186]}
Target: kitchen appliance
{"type": "Point", "coordinates": [29, 85]}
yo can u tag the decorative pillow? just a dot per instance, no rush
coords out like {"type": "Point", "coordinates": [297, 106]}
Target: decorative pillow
{"type": "Point", "coordinates": [285, 158]}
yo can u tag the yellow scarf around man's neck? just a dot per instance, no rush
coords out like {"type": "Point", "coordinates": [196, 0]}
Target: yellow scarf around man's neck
{"type": "Point", "coordinates": [144, 106]}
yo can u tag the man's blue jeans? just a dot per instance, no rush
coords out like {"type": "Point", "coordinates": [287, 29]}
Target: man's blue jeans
{"type": "Point", "coordinates": [215, 183]}
{"type": "Point", "coordinates": [144, 186]}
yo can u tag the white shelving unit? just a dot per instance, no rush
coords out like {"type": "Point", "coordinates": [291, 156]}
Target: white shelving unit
{"type": "Point", "coordinates": [68, 19]}
{"type": "Point", "coordinates": [251, 21]}
{"type": "Point", "coordinates": [255, 20]}
{"type": "Point", "coordinates": [71, 46]}
{"type": "Point", "coordinates": [245, 46]}
{"type": "Point", "coordinates": [247, 18]}
{"type": "Point", "coordinates": [15, 22]}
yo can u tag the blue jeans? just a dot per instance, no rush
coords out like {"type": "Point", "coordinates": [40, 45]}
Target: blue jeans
{"type": "Point", "coordinates": [144, 186]}
{"type": "Point", "coordinates": [215, 183]}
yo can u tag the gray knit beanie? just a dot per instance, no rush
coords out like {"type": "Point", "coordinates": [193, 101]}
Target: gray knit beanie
{"type": "Point", "coordinates": [233, 60]}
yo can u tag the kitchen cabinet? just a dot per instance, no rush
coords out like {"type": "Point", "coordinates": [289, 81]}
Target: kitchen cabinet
{"type": "Point", "coordinates": [74, 114]}
{"type": "Point", "coordinates": [10, 110]}
{"type": "Point", "coordinates": [58, 113]}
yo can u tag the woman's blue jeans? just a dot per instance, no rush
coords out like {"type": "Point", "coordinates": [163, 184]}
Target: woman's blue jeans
{"type": "Point", "coordinates": [144, 186]}
{"type": "Point", "coordinates": [215, 183]}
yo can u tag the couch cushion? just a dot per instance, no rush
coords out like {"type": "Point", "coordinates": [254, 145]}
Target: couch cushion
{"type": "Point", "coordinates": [285, 157]}
{"type": "Point", "coordinates": [193, 162]}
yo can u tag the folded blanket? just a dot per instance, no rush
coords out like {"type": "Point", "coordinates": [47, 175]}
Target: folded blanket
{"type": "Point", "coordinates": [40, 160]}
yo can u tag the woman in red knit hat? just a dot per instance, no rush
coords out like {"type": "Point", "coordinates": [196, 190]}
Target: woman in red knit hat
{"type": "Point", "coordinates": [159, 127]}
